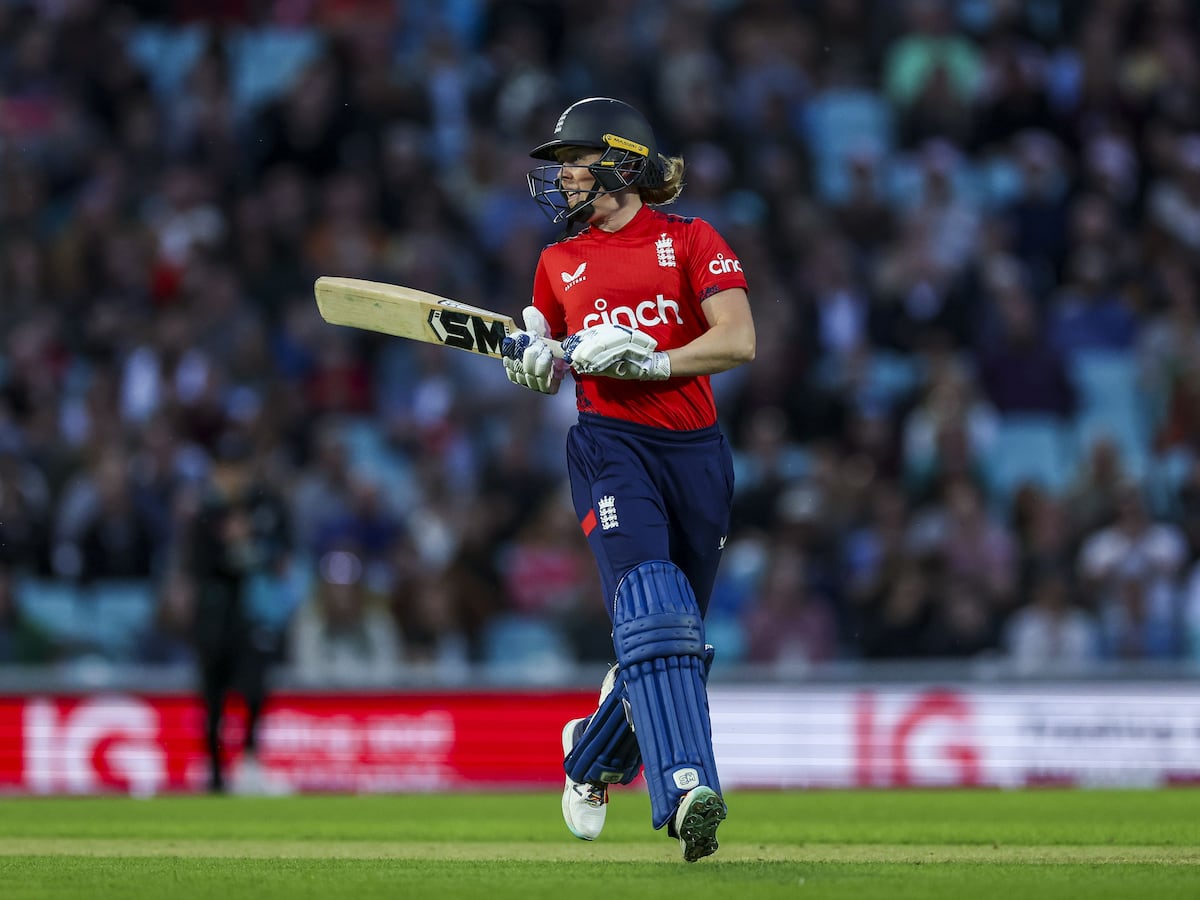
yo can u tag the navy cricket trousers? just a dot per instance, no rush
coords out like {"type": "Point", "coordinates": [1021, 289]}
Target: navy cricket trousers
{"type": "Point", "coordinates": [644, 493]}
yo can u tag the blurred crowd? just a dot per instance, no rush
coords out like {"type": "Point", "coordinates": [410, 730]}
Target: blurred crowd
{"type": "Point", "coordinates": [971, 230]}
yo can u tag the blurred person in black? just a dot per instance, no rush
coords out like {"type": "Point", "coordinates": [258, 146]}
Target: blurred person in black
{"type": "Point", "coordinates": [1018, 370]}
{"type": "Point", "coordinates": [236, 556]}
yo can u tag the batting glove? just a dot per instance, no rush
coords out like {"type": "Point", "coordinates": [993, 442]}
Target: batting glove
{"type": "Point", "coordinates": [615, 351]}
{"type": "Point", "coordinates": [527, 357]}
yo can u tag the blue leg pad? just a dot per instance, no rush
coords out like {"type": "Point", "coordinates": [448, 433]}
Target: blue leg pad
{"type": "Point", "coordinates": [659, 638]}
{"type": "Point", "coordinates": [607, 752]}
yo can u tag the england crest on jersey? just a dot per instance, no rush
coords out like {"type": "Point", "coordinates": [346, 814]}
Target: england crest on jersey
{"type": "Point", "coordinates": [666, 251]}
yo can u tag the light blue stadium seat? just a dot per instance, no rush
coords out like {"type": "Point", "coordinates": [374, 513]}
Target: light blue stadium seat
{"type": "Point", "coordinates": [54, 606]}
{"type": "Point", "coordinates": [794, 463]}
{"type": "Point", "coordinates": [265, 62]}
{"type": "Point", "coordinates": [999, 181]}
{"type": "Point", "coordinates": [1105, 379]}
{"type": "Point", "coordinates": [529, 643]}
{"type": "Point", "coordinates": [905, 180]}
{"type": "Point", "coordinates": [120, 612]}
{"type": "Point", "coordinates": [893, 376]}
{"type": "Point", "coordinates": [838, 122]}
{"type": "Point", "coordinates": [1165, 474]}
{"type": "Point", "coordinates": [738, 578]}
{"type": "Point", "coordinates": [845, 119]}
{"type": "Point", "coordinates": [728, 638]}
{"type": "Point", "coordinates": [370, 456]}
{"type": "Point", "coordinates": [1031, 449]}
{"type": "Point", "coordinates": [166, 55]}
{"type": "Point", "coordinates": [362, 438]}
{"type": "Point", "coordinates": [1124, 428]}
{"type": "Point", "coordinates": [889, 377]}
{"type": "Point", "coordinates": [1110, 405]}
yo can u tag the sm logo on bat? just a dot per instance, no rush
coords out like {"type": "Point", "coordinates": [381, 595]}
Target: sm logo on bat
{"type": "Point", "coordinates": [457, 328]}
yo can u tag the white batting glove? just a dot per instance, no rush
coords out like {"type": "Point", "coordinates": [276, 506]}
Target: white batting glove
{"type": "Point", "coordinates": [527, 357]}
{"type": "Point", "coordinates": [615, 351]}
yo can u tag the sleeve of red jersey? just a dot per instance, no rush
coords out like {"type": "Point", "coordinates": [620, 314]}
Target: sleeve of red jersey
{"type": "Point", "coordinates": [712, 266]}
{"type": "Point", "coordinates": [547, 304]}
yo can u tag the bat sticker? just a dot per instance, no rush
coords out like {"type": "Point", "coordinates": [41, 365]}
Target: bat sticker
{"type": "Point", "coordinates": [460, 329]}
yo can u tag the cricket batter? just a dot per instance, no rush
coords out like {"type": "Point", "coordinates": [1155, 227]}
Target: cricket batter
{"type": "Point", "coordinates": [648, 306]}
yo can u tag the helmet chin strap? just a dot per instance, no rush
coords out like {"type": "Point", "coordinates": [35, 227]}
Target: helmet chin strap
{"type": "Point", "coordinates": [574, 213]}
{"type": "Point", "coordinates": [581, 211]}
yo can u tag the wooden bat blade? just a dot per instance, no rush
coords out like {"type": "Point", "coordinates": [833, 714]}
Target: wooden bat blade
{"type": "Point", "coordinates": [418, 315]}
{"type": "Point", "coordinates": [409, 313]}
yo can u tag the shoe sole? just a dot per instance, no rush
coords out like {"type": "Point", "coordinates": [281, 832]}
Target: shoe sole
{"type": "Point", "coordinates": [698, 830]}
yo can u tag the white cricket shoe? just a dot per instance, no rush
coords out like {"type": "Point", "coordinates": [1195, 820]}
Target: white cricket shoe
{"type": "Point", "coordinates": [584, 806]}
{"type": "Point", "coordinates": [700, 811]}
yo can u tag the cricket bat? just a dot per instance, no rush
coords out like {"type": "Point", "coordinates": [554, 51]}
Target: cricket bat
{"type": "Point", "coordinates": [420, 316]}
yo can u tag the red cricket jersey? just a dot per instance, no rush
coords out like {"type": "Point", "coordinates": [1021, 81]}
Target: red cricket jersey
{"type": "Point", "coordinates": [651, 275]}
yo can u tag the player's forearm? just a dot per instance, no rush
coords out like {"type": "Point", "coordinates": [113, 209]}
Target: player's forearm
{"type": "Point", "coordinates": [724, 346]}
{"type": "Point", "coordinates": [728, 342]}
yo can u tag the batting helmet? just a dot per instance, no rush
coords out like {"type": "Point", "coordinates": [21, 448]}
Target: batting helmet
{"type": "Point", "coordinates": [629, 155]}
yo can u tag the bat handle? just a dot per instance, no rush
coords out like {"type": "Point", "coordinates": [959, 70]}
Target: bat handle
{"type": "Point", "coordinates": [513, 347]}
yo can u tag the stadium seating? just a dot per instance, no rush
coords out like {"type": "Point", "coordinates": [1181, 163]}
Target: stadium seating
{"type": "Point", "coordinates": [1124, 429]}
{"type": "Point", "coordinates": [1111, 406]}
{"type": "Point", "coordinates": [107, 617]}
{"type": "Point", "coordinates": [728, 637]}
{"type": "Point", "coordinates": [529, 646]}
{"type": "Point", "coordinates": [794, 462]}
{"type": "Point", "coordinates": [166, 55]}
{"type": "Point", "coordinates": [737, 580]}
{"type": "Point", "coordinates": [886, 378]}
{"type": "Point", "coordinates": [263, 62]}
{"type": "Point", "coordinates": [838, 123]}
{"type": "Point", "coordinates": [54, 606]}
{"type": "Point", "coordinates": [1105, 378]}
{"type": "Point", "coordinates": [371, 456]}
{"type": "Point", "coordinates": [1030, 449]}
{"type": "Point", "coordinates": [119, 612]}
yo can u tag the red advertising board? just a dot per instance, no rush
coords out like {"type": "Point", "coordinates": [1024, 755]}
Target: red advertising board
{"type": "Point", "coordinates": [149, 743]}
{"type": "Point", "coordinates": [764, 736]}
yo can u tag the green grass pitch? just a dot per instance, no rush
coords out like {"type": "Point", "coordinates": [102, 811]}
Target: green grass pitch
{"type": "Point", "coordinates": [1018, 845]}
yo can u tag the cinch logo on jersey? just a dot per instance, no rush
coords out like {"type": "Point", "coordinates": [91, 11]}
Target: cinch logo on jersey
{"type": "Point", "coordinates": [607, 508]}
{"type": "Point", "coordinates": [648, 312]}
{"type": "Point", "coordinates": [666, 251]}
{"type": "Point", "coordinates": [570, 279]}
{"type": "Point", "coordinates": [723, 265]}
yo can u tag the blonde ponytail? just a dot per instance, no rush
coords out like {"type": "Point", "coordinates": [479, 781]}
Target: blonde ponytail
{"type": "Point", "coordinates": [672, 184]}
